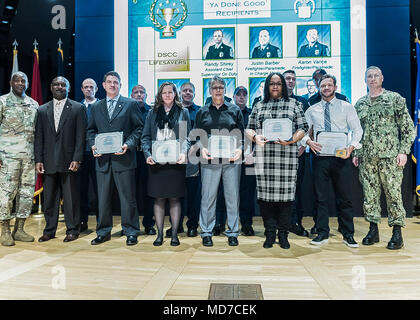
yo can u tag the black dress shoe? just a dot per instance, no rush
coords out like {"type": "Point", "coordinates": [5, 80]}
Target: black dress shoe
{"type": "Point", "coordinates": [175, 242]}
{"type": "Point", "coordinates": [122, 233]}
{"type": "Point", "coordinates": [248, 231]}
{"type": "Point", "coordinates": [45, 237]}
{"type": "Point", "coordinates": [100, 239]}
{"type": "Point", "coordinates": [314, 230]}
{"type": "Point", "coordinates": [192, 232]}
{"type": "Point", "coordinates": [207, 241]}
{"type": "Point", "coordinates": [233, 241]}
{"type": "Point", "coordinates": [131, 240]}
{"type": "Point", "coordinates": [83, 226]}
{"type": "Point", "coordinates": [70, 237]}
{"type": "Point", "coordinates": [150, 231]}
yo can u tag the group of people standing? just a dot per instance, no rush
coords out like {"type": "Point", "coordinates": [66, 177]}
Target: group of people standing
{"type": "Point", "coordinates": [58, 139]}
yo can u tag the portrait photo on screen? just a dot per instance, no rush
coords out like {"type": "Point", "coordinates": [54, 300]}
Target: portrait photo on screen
{"type": "Point", "coordinates": [314, 41]}
{"type": "Point", "coordinates": [256, 90]}
{"type": "Point", "coordinates": [177, 82]}
{"type": "Point", "coordinates": [229, 89]}
{"type": "Point", "coordinates": [265, 42]}
{"type": "Point", "coordinates": [218, 43]}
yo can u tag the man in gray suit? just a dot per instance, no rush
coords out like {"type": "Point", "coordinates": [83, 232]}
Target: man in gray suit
{"type": "Point", "coordinates": [116, 114]}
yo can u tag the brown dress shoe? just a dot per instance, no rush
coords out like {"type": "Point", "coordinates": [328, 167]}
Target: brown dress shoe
{"type": "Point", "coordinates": [70, 237]}
{"type": "Point", "coordinates": [45, 237]}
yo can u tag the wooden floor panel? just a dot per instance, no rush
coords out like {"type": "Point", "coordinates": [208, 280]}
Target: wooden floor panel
{"type": "Point", "coordinates": [78, 270]}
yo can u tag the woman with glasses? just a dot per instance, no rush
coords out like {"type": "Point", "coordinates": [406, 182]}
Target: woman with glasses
{"type": "Point", "coordinates": [276, 161]}
{"type": "Point", "coordinates": [169, 122]}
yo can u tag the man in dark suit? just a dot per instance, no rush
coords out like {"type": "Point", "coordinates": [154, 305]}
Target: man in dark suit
{"type": "Point", "coordinates": [219, 50]}
{"type": "Point", "coordinates": [144, 202]}
{"type": "Point", "coordinates": [116, 114]}
{"type": "Point", "coordinates": [87, 173]}
{"type": "Point", "coordinates": [265, 48]}
{"type": "Point", "coordinates": [59, 143]}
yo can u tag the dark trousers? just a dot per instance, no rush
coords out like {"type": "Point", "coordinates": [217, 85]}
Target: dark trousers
{"type": "Point", "coordinates": [276, 215]}
{"type": "Point", "coordinates": [126, 187]}
{"type": "Point", "coordinates": [338, 171]}
{"type": "Point", "coordinates": [67, 183]}
{"type": "Point", "coordinates": [88, 187]}
{"type": "Point", "coordinates": [247, 200]}
{"type": "Point", "coordinates": [297, 212]}
{"type": "Point", "coordinates": [144, 202]}
{"type": "Point", "coordinates": [192, 201]}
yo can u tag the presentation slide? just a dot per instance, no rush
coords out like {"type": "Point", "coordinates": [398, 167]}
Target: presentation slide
{"type": "Point", "coordinates": [241, 41]}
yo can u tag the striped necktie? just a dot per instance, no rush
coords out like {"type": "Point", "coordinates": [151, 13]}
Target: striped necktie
{"type": "Point", "coordinates": [327, 119]}
{"type": "Point", "coordinates": [111, 107]}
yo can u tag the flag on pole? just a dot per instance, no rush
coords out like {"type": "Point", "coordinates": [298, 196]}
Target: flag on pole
{"type": "Point", "coordinates": [36, 94]}
{"type": "Point", "coordinates": [36, 90]}
{"type": "Point", "coordinates": [60, 59]}
{"type": "Point", "coordinates": [416, 148]}
{"type": "Point", "coordinates": [15, 67]}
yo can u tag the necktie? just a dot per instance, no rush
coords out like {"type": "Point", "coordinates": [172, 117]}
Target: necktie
{"type": "Point", "coordinates": [111, 107]}
{"type": "Point", "coordinates": [57, 114]}
{"type": "Point", "coordinates": [327, 119]}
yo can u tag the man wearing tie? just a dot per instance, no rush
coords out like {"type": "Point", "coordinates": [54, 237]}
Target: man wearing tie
{"type": "Point", "coordinates": [333, 115]}
{"type": "Point", "coordinates": [59, 143]}
{"type": "Point", "coordinates": [116, 114]}
{"type": "Point", "coordinates": [88, 200]}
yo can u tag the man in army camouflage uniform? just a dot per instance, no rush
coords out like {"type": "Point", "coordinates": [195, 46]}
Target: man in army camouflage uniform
{"type": "Point", "coordinates": [388, 135]}
{"type": "Point", "coordinates": [17, 169]}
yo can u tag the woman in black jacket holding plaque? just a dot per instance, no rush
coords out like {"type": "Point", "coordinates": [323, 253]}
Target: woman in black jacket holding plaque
{"type": "Point", "coordinates": [165, 145]}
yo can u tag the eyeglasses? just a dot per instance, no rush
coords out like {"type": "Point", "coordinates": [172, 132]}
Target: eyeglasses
{"type": "Point", "coordinates": [218, 88]}
{"type": "Point", "coordinates": [273, 84]}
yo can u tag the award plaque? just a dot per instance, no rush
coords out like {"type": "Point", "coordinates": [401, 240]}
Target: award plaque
{"type": "Point", "coordinates": [166, 151]}
{"type": "Point", "coordinates": [222, 146]}
{"type": "Point", "coordinates": [333, 143]}
{"type": "Point", "coordinates": [110, 142]}
{"type": "Point", "coordinates": [274, 129]}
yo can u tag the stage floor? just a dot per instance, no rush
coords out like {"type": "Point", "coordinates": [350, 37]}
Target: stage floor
{"type": "Point", "coordinates": [77, 270]}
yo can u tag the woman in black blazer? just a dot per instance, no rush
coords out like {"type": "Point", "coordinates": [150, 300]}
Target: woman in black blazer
{"type": "Point", "coordinates": [168, 120]}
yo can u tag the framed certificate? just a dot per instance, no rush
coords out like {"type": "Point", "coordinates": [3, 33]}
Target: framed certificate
{"type": "Point", "coordinates": [165, 151]}
{"type": "Point", "coordinates": [109, 142]}
{"type": "Point", "coordinates": [222, 146]}
{"type": "Point", "coordinates": [331, 142]}
{"type": "Point", "coordinates": [280, 128]}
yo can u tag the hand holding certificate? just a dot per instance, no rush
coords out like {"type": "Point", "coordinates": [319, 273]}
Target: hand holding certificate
{"type": "Point", "coordinates": [109, 142]}
{"type": "Point", "coordinates": [277, 129]}
{"type": "Point", "coordinates": [166, 151]}
{"type": "Point", "coordinates": [332, 144]}
{"type": "Point", "coordinates": [222, 147]}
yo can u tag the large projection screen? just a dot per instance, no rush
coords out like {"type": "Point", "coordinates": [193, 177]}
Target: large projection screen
{"type": "Point", "coordinates": [240, 40]}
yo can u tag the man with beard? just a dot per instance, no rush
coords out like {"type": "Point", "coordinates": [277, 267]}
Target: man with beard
{"type": "Point", "coordinates": [333, 115]}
